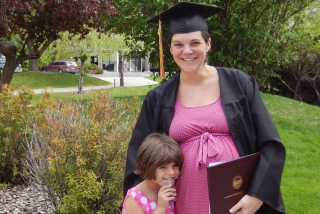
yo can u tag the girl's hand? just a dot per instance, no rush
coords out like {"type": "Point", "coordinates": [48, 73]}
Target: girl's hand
{"type": "Point", "coordinates": [165, 195]}
{"type": "Point", "coordinates": [247, 205]}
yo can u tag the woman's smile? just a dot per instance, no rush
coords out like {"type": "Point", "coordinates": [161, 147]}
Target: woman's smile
{"type": "Point", "coordinates": [188, 60]}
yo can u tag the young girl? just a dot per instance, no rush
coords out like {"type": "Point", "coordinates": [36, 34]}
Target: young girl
{"type": "Point", "coordinates": [159, 163]}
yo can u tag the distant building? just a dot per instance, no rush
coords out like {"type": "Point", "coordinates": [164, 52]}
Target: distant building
{"type": "Point", "coordinates": [135, 64]}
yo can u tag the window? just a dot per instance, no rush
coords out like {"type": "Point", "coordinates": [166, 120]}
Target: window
{"type": "Point", "coordinates": [72, 64]}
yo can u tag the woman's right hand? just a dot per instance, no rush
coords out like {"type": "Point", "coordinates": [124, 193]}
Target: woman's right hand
{"type": "Point", "coordinates": [165, 195]}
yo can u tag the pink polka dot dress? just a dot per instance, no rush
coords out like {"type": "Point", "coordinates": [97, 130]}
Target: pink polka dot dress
{"type": "Point", "coordinates": [204, 137]}
{"type": "Point", "coordinates": [145, 203]}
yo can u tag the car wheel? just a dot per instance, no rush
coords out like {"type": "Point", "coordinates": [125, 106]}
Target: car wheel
{"type": "Point", "coordinates": [44, 70]}
{"type": "Point", "coordinates": [60, 71]}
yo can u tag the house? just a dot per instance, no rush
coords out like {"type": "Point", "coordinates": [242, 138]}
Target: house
{"type": "Point", "coordinates": [135, 64]}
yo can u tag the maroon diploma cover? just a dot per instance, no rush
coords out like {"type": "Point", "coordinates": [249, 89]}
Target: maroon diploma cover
{"type": "Point", "coordinates": [229, 181]}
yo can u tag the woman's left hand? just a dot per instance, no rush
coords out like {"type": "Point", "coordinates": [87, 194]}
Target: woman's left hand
{"type": "Point", "coordinates": [247, 205]}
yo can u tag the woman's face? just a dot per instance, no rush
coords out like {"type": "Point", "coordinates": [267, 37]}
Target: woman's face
{"type": "Point", "coordinates": [189, 51]}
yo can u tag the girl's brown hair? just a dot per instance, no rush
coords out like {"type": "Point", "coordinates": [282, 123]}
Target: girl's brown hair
{"type": "Point", "coordinates": [157, 150]}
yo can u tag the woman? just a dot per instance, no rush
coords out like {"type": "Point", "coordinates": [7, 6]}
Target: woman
{"type": "Point", "coordinates": [216, 114]}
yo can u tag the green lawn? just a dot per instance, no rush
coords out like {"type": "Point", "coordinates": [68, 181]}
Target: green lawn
{"type": "Point", "coordinates": [38, 80]}
{"type": "Point", "coordinates": [121, 93]}
{"type": "Point", "coordinates": [299, 127]}
{"type": "Point", "coordinates": [155, 78]}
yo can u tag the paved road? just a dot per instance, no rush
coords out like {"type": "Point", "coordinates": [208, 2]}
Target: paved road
{"type": "Point", "coordinates": [130, 79]}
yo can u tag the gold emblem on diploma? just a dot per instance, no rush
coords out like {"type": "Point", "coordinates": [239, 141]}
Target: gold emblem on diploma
{"type": "Point", "coordinates": [237, 182]}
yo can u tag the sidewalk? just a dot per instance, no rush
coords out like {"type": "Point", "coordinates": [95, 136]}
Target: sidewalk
{"type": "Point", "coordinates": [129, 79]}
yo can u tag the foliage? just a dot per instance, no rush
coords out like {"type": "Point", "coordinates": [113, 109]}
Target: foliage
{"type": "Point", "coordinates": [92, 69]}
{"type": "Point", "coordinates": [52, 53]}
{"type": "Point", "coordinates": [301, 79]}
{"type": "Point", "coordinates": [299, 76]}
{"type": "Point", "coordinates": [249, 35]}
{"type": "Point", "coordinates": [39, 23]}
{"type": "Point", "coordinates": [3, 186]}
{"type": "Point", "coordinates": [25, 66]}
{"type": "Point", "coordinates": [77, 152]}
{"type": "Point", "coordinates": [94, 44]}
{"type": "Point", "coordinates": [14, 117]}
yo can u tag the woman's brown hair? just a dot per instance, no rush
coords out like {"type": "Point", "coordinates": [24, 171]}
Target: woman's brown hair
{"type": "Point", "coordinates": [157, 150]}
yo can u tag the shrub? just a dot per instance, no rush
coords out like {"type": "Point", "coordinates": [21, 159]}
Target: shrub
{"type": "Point", "coordinates": [92, 69]}
{"type": "Point", "coordinates": [77, 152]}
{"type": "Point", "coordinates": [25, 66]}
{"type": "Point", "coordinates": [14, 117]}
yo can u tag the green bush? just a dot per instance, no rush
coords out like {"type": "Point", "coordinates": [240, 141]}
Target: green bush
{"type": "Point", "coordinates": [77, 152]}
{"type": "Point", "coordinates": [92, 69]}
{"type": "Point", "coordinates": [25, 66]}
{"type": "Point", "coordinates": [14, 118]}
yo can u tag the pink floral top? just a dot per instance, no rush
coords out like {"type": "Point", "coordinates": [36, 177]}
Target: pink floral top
{"type": "Point", "coordinates": [145, 203]}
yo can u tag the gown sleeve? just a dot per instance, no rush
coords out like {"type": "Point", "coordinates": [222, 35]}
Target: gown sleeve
{"type": "Point", "coordinates": [266, 181]}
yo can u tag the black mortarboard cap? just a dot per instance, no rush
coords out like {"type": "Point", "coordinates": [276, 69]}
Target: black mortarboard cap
{"type": "Point", "coordinates": [186, 17]}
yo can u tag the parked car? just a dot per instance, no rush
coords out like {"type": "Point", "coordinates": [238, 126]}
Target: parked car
{"type": "Point", "coordinates": [62, 66]}
{"type": "Point", "coordinates": [18, 69]}
{"type": "Point", "coordinates": [3, 61]}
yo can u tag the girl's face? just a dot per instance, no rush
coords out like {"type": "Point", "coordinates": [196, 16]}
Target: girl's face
{"type": "Point", "coordinates": [167, 174]}
{"type": "Point", "coordinates": [189, 51]}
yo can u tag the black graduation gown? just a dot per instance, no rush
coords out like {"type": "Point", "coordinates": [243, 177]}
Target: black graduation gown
{"type": "Point", "coordinates": [250, 124]}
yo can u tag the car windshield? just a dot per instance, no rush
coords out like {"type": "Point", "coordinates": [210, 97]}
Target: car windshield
{"type": "Point", "coordinates": [72, 63]}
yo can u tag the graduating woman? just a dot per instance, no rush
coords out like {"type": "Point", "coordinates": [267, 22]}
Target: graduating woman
{"type": "Point", "coordinates": [214, 113]}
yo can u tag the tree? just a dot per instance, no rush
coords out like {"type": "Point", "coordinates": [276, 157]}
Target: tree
{"type": "Point", "coordinates": [300, 75]}
{"type": "Point", "coordinates": [93, 44]}
{"type": "Point", "coordinates": [251, 35]}
{"type": "Point", "coordinates": [39, 23]}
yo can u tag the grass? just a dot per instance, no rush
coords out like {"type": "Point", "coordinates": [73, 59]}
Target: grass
{"type": "Point", "coordinates": [120, 93]}
{"type": "Point", "coordinates": [154, 78]}
{"type": "Point", "coordinates": [39, 80]}
{"type": "Point", "coordinates": [299, 127]}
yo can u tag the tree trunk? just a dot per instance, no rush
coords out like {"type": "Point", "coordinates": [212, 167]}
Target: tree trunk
{"type": "Point", "coordinates": [314, 86]}
{"type": "Point", "coordinates": [33, 65]}
{"type": "Point", "coordinates": [297, 88]}
{"type": "Point", "coordinates": [121, 69]}
{"type": "Point", "coordinates": [9, 50]}
{"type": "Point", "coordinates": [83, 59]}
{"type": "Point", "coordinates": [81, 72]}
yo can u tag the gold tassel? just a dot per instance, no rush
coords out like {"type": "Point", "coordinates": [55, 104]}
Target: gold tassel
{"type": "Point", "coordinates": [162, 75]}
